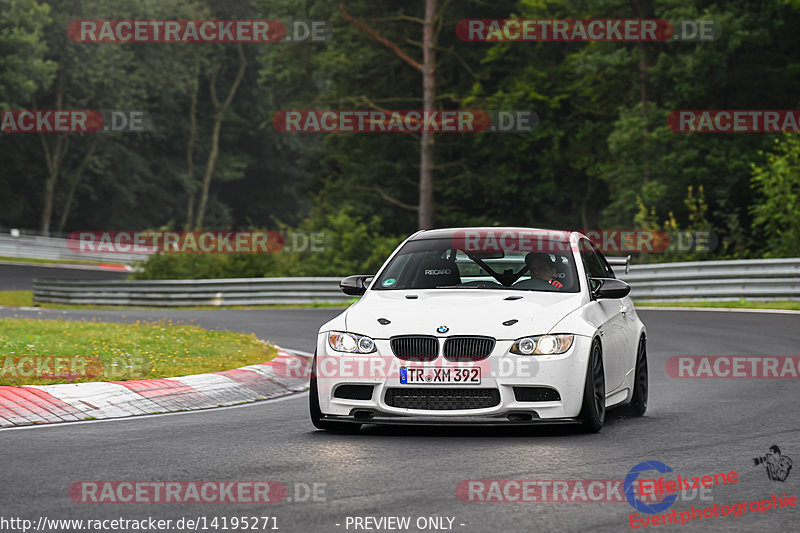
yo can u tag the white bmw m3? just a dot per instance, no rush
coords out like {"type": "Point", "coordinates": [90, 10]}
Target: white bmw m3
{"type": "Point", "coordinates": [497, 326]}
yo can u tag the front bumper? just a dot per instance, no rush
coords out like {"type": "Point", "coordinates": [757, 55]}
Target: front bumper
{"type": "Point", "coordinates": [509, 419]}
{"type": "Point", "coordinates": [501, 371]}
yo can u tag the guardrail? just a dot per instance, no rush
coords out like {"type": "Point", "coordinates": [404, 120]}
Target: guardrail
{"type": "Point", "coordinates": [37, 247]}
{"type": "Point", "coordinates": [176, 293]}
{"type": "Point", "coordinates": [762, 279]}
{"type": "Point", "coordinates": [753, 279]}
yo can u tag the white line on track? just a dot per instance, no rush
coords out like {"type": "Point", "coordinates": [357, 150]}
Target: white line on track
{"type": "Point", "coordinates": [298, 352]}
{"type": "Point", "coordinates": [721, 309]}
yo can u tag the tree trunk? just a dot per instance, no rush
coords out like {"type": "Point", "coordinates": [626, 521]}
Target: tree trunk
{"type": "Point", "coordinates": [47, 208]}
{"type": "Point", "coordinates": [643, 78]}
{"type": "Point", "coordinates": [210, 163]}
{"type": "Point", "coordinates": [190, 147]}
{"type": "Point", "coordinates": [428, 70]}
{"type": "Point", "coordinates": [219, 116]}
{"type": "Point", "coordinates": [53, 158]}
{"type": "Point", "coordinates": [425, 214]}
{"type": "Point", "coordinates": [73, 185]}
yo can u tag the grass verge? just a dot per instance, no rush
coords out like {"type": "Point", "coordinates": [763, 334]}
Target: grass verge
{"type": "Point", "coordinates": [44, 352]}
{"type": "Point", "coordinates": [16, 298]}
{"type": "Point", "coordinates": [737, 304]}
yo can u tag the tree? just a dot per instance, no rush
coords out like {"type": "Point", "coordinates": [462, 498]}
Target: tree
{"type": "Point", "coordinates": [219, 109]}
{"type": "Point", "coordinates": [349, 71]}
{"type": "Point", "coordinates": [428, 70]}
{"type": "Point", "coordinates": [23, 67]}
{"type": "Point", "coordinates": [777, 216]}
{"type": "Point", "coordinates": [88, 76]}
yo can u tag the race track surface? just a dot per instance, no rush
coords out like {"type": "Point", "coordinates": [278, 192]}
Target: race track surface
{"type": "Point", "coordinates": [16, 277]}
{"type": "Point", "coordinates": [697, 427]}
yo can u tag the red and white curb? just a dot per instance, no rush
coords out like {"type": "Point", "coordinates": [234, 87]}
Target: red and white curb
{"type": "Point", "coordinates": [43, 404]}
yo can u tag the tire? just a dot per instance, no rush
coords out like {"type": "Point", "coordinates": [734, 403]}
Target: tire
{"type": "Point", "coordinates": [638, 404]}
{"type": "Point", "coordinates": [593, 408]}
{"type": "Point", "coordinates": [316, 413]}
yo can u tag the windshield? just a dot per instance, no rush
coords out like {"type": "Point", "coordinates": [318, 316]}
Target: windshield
{"type": "Point", "coordinates": [439, 264]}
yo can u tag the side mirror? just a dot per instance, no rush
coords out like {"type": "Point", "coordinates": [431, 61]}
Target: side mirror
{"type": "Point", "coordinates": [610, 288]}
{"type": "Point", "coordinates": [355, 285]}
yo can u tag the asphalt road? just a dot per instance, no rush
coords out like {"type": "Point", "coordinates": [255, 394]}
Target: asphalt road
{"type": "Point", "coordinates": [697, 427]}
{"type": "Point", "coordinates": [18, 277]}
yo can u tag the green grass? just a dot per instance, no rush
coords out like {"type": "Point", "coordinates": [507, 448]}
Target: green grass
{"type": "Point", "coordinates": [16, 298]}
{"type": "Point", "coordinates": [736, 304]}
{"type": "Point", "coordinates": [56, 261]}
{"type": "Point", "coordinates": [73, 351]}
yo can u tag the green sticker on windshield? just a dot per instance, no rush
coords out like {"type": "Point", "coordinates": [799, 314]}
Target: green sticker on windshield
{"type": "Point", "coordinates": [389, 282]}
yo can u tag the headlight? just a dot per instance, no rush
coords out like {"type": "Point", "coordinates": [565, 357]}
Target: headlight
{"type": "Point", "coordinates": [350, 342]}
{"type": "Point", "coordinates": [542, 345]}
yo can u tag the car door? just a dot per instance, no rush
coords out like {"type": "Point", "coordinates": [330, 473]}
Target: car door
{"type": "Point", "coordinates": [629, 329]}
{"type": "Point", "coordinates": [609, 314]}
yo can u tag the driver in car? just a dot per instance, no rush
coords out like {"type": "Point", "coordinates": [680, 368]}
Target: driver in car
{"type": "Point", "coordinates": [542, 268]}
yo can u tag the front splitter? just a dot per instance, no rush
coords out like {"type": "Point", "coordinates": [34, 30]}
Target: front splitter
{"type": "Point", "coordinates": [417, 420]}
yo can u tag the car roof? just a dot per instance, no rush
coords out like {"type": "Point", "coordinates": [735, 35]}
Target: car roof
{"type": "Point", "coordinates": [448, 233]}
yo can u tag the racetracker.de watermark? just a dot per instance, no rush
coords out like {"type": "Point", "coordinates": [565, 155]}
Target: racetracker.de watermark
{"type": "Point", "coordinates": [73, 121]}
{"type": "Point", "coordinates": [71, 368]}
{"type": "Point", "coordinates": [606, 240]}
{"type": "Point", "coordinates": [559, 491]}
{"type": "Point", "coordinates": [192, 491]}
{"type": "Point", "coordinates": [197, 31]}
{"type": "Point", "coordinates": [376, 366]}
{"type": "Point", "coordinates": [404, 121]}
{"type": "Point", "coordinates": [733, 366]}
{"type": "Point", "coordinates": [586, 30]}
{"type": "Point", "coordinates": [233, 242]}
{"type": "Point", "coordinates": [734, 120]}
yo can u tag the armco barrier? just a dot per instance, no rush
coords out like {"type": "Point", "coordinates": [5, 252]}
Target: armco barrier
{"type": "Point", "coordinates": [36, 247]}
{"type": "Point", "coordinates": [759, 279]}
{"type": "Point", "coordinates": [752, 279]}
{"type": "Point", "coordinates": [175, 293]}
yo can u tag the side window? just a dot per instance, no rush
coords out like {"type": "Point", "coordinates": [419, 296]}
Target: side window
{"type": "Point", "coordinates": [609, 272]}
{"type": "Point", "coordinates": [594, 265]}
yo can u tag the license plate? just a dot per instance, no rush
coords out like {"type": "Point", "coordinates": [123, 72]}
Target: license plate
{"type": "Point", "coordinates": [421, 375]}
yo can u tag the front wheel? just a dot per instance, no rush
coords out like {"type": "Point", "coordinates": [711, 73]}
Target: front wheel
{"type": "Point", "coordinates": [316, 412]}
{"type": "Point", "coordinates": [638, 404]}
{"type": "Point", "coordinates": [593, 410]}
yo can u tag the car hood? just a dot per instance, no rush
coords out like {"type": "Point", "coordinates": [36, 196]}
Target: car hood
{"type": "Point", "coordinates": [462, 311]}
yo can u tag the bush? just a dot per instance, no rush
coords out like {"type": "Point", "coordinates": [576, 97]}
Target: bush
{"type": "Point", "coordinates": [351, 246]}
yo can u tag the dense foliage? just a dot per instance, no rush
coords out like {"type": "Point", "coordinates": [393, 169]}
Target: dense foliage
{"type": "Point", "coordinates": [601, 157]}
